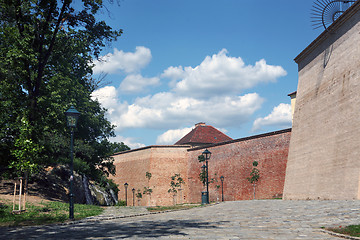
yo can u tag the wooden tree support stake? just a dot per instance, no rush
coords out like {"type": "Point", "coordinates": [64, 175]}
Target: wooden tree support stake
{"type": "Point", "coordinates": [20, 193]}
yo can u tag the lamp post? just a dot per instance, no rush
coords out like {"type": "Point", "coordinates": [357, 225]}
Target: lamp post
{"type": "Point", "coordinates": [72, 116]}
{"type": "Point", "coordinates": [207, 155]}
{"type": "Point", "coordinates": [222, 188]}
{"type": "Point", "coordinates": [126, 186]}
{"type": "Point", "coordinates": [133, 191]}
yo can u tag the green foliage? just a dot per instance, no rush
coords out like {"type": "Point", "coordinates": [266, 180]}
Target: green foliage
{"type": "Point", "coordinates": [26, 152]}
{"type": "Point", "coordinates": [202, 176]}
{"type": "Point", "coordinates": [46, 54]}
{"type": "Point", "coordinates": [112, 185]}
{"type": "Point", "coordinates": [214, 179]}
{"type": "Point", "coordinates": [352, 230]}
{"type": "Point", "coordinates": [147, 191]}
{"type": "Point", "coordinates": [138, 194]}
{"type": "Point", "coordinates": [148, 175]}
{"type": "Point", "coordinates": [121, 203]}
{"type": "Point", "coordinates": [108, 184]}
{"type": "Point", "coordinates": [45, 213]}
{"type": "Point", "coordinates": [255, 174]}
{"type": "Point", "coordinates": [175, 183]}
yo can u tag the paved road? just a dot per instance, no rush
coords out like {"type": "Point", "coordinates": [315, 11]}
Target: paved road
{"type": "Point", "coordinates": [259, 219]}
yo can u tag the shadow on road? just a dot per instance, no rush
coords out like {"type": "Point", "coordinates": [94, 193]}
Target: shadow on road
{"type": "Point", "coordinates": [108, 229]}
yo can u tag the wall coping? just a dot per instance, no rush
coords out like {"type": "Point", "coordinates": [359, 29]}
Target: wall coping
{"type": "Point", "coordinates": [152, 146]}
{"type": "Point", "coordinates": [189, 148]}
{"type": "Point", "coordinates": [242, 139]}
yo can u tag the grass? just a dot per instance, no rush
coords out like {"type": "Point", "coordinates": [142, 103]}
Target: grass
{"type": "Point", "coordinates": [176, 207]}
{"type": "Point", "coordinates": [44, 213]}
{"type": "Point", "coordinates": [352, 230]}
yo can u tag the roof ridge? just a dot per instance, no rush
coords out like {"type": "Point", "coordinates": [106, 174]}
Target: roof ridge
{"type": "Point", "coordinates": [203, 134]}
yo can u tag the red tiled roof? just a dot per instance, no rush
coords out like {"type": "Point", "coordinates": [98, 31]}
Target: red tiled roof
{"type": "Point", "coordinates": [203, 134]}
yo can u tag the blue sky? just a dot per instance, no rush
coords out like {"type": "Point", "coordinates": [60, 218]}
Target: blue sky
{"type": "Point", "coordinates": [227, 63]}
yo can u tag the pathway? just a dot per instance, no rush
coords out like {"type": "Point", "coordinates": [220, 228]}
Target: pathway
{"type": "Point", "coordinates": [259, 219]}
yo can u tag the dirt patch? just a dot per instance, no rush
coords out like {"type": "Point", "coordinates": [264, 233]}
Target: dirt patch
{"type": "Point", "coordinates": [35, 200]}
{"type": "Point", "coordinates": [34, 196]}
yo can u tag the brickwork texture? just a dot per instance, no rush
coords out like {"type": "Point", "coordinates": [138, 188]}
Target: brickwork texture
{"type": "Point", "coordinates": [232, 159]}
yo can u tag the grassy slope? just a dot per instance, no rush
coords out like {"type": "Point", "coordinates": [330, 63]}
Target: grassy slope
{"type": "Point", "coordinates": [45, 212]}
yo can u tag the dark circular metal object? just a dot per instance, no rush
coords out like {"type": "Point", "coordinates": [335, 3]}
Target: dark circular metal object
{"type": "Point", "coordinates": [325, 12]}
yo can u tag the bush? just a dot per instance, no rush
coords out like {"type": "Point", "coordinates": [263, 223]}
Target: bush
{"type": "Point", "coordinates": [121, 203]}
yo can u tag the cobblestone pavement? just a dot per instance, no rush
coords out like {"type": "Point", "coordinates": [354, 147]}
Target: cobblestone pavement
{"type": "Point", "coordinates": [259, 219]}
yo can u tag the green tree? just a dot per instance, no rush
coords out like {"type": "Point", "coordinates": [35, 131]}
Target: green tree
{"type": "Point", "coordinates": [175, 185]}
{"type": "Point", "coordinates": [254, 176]}
{"type": "Point", "coordinates": [148, 190]}
{"type": "Point", "coordinates": [46, 52]}
{"type": "Point", "coordinates": [25, 151]}
{"type": "Point", "coordinates": [139, 196]}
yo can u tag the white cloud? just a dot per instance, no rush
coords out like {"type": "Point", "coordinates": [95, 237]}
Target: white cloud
{"type": "Point", "coordinates": [107, 96]}
{"type": "Point", "coordinates": [109, 99]}
{"type": "Point", "coordinates": [222, 75]}
{"type": "Point", "coordinates": [130, 142]}
{"type": "Point", "coordinates": [166, 110]}
{"type": "Point", "coordinates": [280, 116]}
{"type": "Point", "coordinates": [174, 74]}
{"type": "Point", "coordinates": [172, 136]}
{"type": "Point", "coordinates": [136, 83]}
{"type": "Point", "coordinates": [129, 62]}
{"type": "Point", "coordinates": [209, 92]}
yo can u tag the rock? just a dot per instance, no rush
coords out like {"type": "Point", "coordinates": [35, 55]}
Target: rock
{"type": "Point", "coordinates": [53, 183]}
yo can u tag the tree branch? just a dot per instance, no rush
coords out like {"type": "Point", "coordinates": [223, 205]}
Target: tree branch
{"type": "Point", "coordinates": [43, 63]}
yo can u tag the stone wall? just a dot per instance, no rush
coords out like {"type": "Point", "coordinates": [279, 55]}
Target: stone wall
{"type": "Point", "coordinates": [234, 159]}
{"type": "Point", "coordinates": [324, 150]}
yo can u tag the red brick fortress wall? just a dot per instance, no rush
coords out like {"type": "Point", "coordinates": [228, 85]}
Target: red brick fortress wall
{"type": "Point", "coordinates": [234, 159]}
{"type": "Point", "coordinates": [162, 162]}
{"type": "Point", "coordinates": [131, 168]}
{"type": "Point", "coordinates": [165, 163]}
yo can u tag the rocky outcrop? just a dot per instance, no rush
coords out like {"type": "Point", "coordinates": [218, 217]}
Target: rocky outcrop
{"type": "Point", "coordinates": [53, 183]}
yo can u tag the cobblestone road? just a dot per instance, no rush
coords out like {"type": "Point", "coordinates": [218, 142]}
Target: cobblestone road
{"type": "Point", "coordinates": [259, 219]}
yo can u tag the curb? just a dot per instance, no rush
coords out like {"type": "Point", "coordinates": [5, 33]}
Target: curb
{"type": "Point", "coordinates": [129, 216]}
{"type": "Point", "coordinates": [339, 235]}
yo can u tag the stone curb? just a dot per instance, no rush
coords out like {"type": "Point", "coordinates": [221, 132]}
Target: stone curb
{"type": "Point", "coordinates": [339, 235]}
{"type": "Point", "coordinates": [95, 219]}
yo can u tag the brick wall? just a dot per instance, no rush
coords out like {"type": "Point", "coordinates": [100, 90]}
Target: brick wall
{"type": "Point", "coordinates": [162, 162]}
{"type": "Point", "coordinates": [234, 162]}
{"type": "Point", "coordinates": [131, 168]}
{"type": "Point", "coordinates": [165, 163]}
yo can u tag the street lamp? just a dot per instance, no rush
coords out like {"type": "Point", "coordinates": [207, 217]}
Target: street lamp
{"type": "Point", "coordinates": [126, 186]}
{"type": "Point", "coordinates": [222, 188]}
{"type": "Point", "coordinates": [72, 116]}
{"type": "Point", "coordinates": [207, 155]}
{"type": "Point", "coordinates": [133, 191]}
